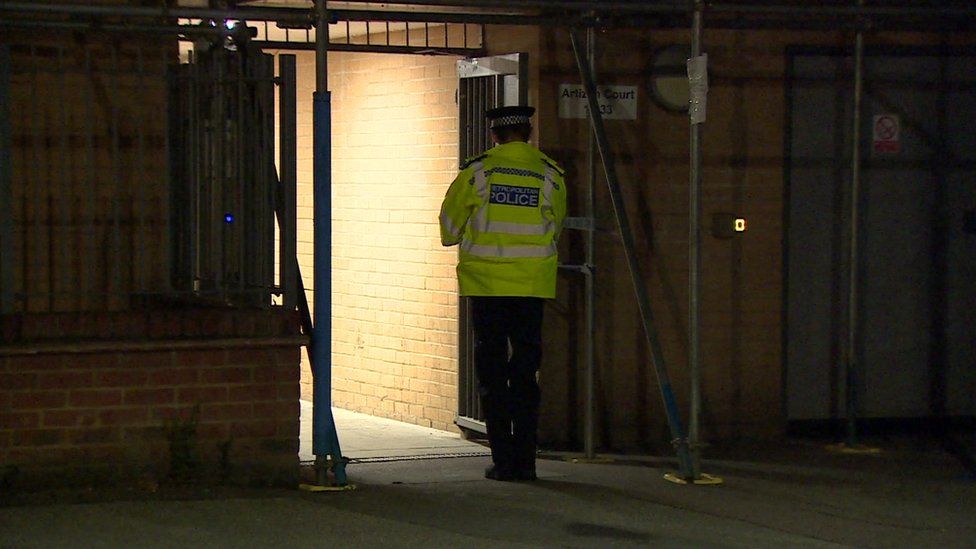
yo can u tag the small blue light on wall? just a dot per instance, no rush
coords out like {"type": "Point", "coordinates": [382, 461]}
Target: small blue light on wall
{"type": "Point", "coordinates": [228, 218]}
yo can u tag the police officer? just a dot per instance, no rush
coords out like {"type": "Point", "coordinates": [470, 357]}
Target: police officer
{"type": "Point", "coordinates": [506, 209]}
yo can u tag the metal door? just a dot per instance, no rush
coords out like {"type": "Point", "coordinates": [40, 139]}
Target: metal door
{"type": "Point", "coordinates": [915, 345]}
{"type": "Point", "coordinates": [483, 83]}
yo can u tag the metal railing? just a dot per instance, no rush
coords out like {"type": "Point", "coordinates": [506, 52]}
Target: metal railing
{"type": "Point", "coordinates": [370, 32]}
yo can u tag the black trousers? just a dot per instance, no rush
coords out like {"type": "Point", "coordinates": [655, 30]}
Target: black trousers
{"type": "Point", "coordinates": [507, 381]}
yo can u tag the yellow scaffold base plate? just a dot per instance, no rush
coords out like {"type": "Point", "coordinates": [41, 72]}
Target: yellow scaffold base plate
{"type": "Point", "coordinates": [855, 449]}
{"type": "Point", "coordinates": [704, 479]}
{"type": "Point", "coordinates": [318, 488]}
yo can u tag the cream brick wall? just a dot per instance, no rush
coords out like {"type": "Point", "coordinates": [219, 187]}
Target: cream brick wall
{"type": "Point", "coordinates": [395, 142]}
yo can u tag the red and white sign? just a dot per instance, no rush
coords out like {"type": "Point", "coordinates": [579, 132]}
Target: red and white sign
{"type": "Point", "coordinates": [887, 133]}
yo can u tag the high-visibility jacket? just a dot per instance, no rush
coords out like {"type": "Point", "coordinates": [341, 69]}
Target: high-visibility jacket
{"type": "Point", "coordinates": [506, 209]}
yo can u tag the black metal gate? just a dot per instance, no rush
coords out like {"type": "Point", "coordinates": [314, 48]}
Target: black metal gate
{"type": "Point", "coordinates": [484, 83]}
{"type": "Point", "coordinates": [224, 181]}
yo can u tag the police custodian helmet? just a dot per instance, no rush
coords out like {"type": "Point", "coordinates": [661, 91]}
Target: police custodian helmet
{"type": "Point", "coordinates": [509, 116]}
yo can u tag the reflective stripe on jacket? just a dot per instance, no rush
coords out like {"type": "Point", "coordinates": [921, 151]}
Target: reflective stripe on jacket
{"type": "Point", "coordinates": [506, 209]}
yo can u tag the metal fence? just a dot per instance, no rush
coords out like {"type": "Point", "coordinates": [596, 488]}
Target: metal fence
{"type": "Point", "coordinates": [132, 179]}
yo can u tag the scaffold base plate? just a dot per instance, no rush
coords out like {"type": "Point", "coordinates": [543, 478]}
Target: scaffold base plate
{"type": "Point", "coordinates": [704, 479]}
{"type": "Point", "coordinates": [320, 488]}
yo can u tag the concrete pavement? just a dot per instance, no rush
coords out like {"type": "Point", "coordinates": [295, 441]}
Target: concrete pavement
{"type": "Point", "coordinates": [365, 438]}
{"type": "Point", "coordinates": [797, 494]}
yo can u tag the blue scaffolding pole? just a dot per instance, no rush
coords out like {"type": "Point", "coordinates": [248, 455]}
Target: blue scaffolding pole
{"type": "Point", "coordinates": [325, 439]}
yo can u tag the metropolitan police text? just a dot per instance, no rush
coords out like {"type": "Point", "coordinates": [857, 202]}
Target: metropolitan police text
{"type": "Point", "coordinates": [514, 196]}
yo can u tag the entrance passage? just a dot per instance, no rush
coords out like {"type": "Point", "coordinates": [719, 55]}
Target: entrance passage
{"type": "Point", "coordinates": [367, 438]}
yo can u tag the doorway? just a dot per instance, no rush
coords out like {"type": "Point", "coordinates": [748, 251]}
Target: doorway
{"type": "Point", "coordinates": [394, 294]}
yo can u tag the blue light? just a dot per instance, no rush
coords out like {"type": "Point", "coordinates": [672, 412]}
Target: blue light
{"type": "Point", "coordinates": [228, 218]}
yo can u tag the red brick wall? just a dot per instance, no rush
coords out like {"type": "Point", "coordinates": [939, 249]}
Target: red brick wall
{"type": "Point", "coordinates": [75, 409]}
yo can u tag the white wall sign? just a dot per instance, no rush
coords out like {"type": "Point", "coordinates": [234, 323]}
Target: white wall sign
{"type": "Point", "coordinates": [616, 102]}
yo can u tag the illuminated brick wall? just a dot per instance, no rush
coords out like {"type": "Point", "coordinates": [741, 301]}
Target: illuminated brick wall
{"type": "Point", "coordinates": [395, 145]}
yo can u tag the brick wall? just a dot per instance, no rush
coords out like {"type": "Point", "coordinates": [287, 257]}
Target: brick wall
{"type": "Point", "coordinates": [97, 394]}
{"type": "Point", "coordinates": [741, 278]}
{"type": "Point", "coordinates": [87, 398]}
{"type": "Point", "coordinates": [394, 290]}
{"type": "Point", "coordinates": [740, 299]}
{"type": "Point", "coordinates": [88, 169]}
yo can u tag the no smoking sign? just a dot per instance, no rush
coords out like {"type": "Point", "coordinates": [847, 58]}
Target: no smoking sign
{"type": "Point", "coordinates": [887, 133]}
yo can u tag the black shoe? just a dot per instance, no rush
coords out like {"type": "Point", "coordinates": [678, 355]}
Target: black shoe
{"type": "Point", "coordinates": [497, 473]}
{"type": "Point", "coordinates": [525, 474]}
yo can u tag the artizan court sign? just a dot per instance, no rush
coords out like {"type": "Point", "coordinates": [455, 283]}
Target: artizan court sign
{"type": "Point", "coordinates": [615, 102]}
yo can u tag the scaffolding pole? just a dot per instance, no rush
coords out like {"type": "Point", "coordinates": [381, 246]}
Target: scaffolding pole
{"type": "Point", "coordinates": [522, 12]}
{"type": "Point", "coordinates": [637, 278]}
{"type": "Point", "coordinates": [670, 6]}
{"type": "Point", "coordinates": [851, 363]}
{"type": "Point", "coordinates": [661, 14]}
{"type": "Point", "coordinates": [325, 439]}
{"type": "Point", "coordinates": [589, 325]}
{"type": "Point", "coordinates": [282, 15]}
{"type": "Point", "coordinates": [696, 117]}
